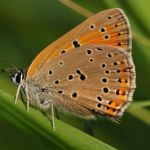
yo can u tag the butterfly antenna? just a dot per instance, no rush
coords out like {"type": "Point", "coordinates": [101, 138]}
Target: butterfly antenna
{"type": "Point", "coordinates": [12, 67]}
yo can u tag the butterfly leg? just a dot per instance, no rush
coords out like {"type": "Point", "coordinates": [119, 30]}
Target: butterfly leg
{"type": "Point", "coordinates": [28, 99]}
{"type": "Point", "coordinates": [52, 113]}
{"type": "Point", "coordinates": [18, 89]}
{"type": "Point", "coordinates": [17, 93]}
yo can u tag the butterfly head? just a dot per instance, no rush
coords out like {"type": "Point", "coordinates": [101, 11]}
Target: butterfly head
{"type": "Point", "coordinates": [16, 75]}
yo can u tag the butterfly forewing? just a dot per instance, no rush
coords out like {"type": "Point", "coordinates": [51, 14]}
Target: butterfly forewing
{"type": "Point", "coordinates": [110, 27]}
{"type": "Point", "coordinates": [90, 79]}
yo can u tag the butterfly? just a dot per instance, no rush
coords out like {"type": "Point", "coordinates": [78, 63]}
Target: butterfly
{"type": "Point", "coordinates": [89, 71]}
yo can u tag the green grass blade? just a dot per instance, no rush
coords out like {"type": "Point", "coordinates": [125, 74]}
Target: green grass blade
{"type": "Point", "coordinates": [35, 124]}
{"type": "Point", "coordinates": [141, 114]}
{"type": "Point", "coordinates": [144, 103]}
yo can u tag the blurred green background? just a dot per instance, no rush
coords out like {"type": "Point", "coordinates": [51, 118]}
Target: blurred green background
{"type": "Point", "coordinates": [28, 26]}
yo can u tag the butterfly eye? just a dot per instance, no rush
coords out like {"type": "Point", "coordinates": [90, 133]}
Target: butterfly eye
{"type": "Point", "coordinates": [17, 77]}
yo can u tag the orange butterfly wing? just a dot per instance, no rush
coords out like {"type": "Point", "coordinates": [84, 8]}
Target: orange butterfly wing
{"type": "Point", "coordinates": [109, 27]}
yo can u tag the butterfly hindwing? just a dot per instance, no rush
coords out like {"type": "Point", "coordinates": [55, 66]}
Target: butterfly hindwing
{"type": "Point", "coordinates": [88, 79]}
